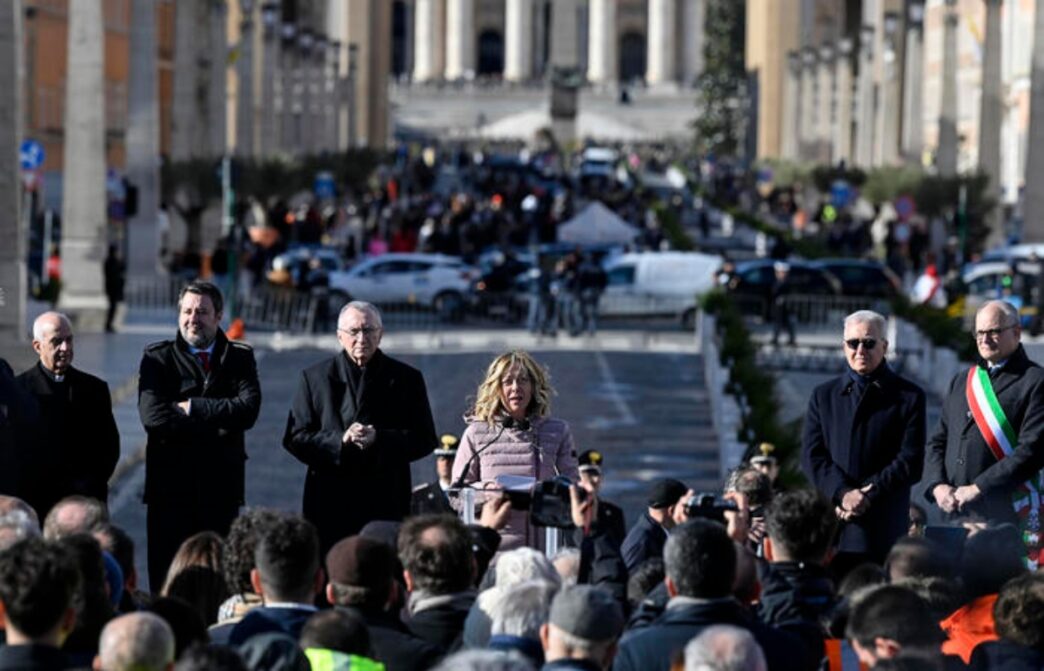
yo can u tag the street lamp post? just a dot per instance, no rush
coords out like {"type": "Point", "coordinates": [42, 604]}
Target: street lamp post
{"type": "Point", "coordinates": [245, 75]}
{"type": "Point", "coordinates": [288, 61]}
{"type": "Point", "coordinates": [303, 92]}
{"type": "Point", "coordinates": [336, 102]}
{"type": "Point", "coordinates": [268, 138]}
{"type": "Point", "coordinates": [353, 112]}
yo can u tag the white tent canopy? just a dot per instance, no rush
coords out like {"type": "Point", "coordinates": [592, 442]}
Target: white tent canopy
{"type": "Point", "coordinates": [597, 225]}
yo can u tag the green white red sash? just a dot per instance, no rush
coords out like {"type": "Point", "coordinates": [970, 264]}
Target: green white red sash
{"type": "Point", "coordinates": [1000, 437]}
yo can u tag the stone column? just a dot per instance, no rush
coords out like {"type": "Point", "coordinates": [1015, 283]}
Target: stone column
{"type": "Point", "coordinates": [887, 133]}
{"type": "Point", "coordinates": [429, 52]}
{"type": "Point", "coordinates": [188, 108]}
{"type": "Point", "coordinates": [143, 141]}
{"type": "Point", "coordinates": [460, 39]}
{"type": "Point", "coordinates": [946, 153]}
{"type": "Point", "coordinates": [913, 83]}
{"type": "Point", "coordinates": [807, 134]}
{"type": "Point", "coordinates": [660, 59]}
{"type": "Point", "coordinates": [791, 107]}
{"type": "Point", "coordinates": [694, 13]}
{"type": "Point", "coordinates": [842, 150]}
{"type": "Point", "coordinates": [864, 128]}
{"type": "Point", "coordinates": [289, 96]}
{"type": "Point", "coordinates": [84, 216]}
{"type": "Point", "coordinates": [270, 77]}
{"type": "Point", "coordinates": [305, 66]}
{"type": "Point", "coordinates": [217, 104]}
{"type": "Point", "coordinates": [991, 112]}
{"type": "Point", "coordinates": [334, 95]}
{"type": "Point", "coordinates": [13, 252]}
{"type": "Point", "coordinates": [518, 42]}
{"type": "Point", "coordinates": [602, 41]}
{"type": "Point", "coordinates": [1033, 226]}
{"type": "Point", "coordinates": [825, 99]}
{"type": "Point", "coordinates": [245, 82]}
{"type": "Point", "coordinates": [565, 33]}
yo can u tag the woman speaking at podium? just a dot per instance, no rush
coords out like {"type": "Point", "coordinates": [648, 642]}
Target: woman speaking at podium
{"type": "Point", "coordinates": [510, 432]}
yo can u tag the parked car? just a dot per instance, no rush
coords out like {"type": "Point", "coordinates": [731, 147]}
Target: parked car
{"type": "Point", "coordinates": [990, 280]}
{"type": "Point", "coordinates": [751, 284]}
{"type": "Point", "coordinates": [658, 284]}
{"type": "Point", "coordinates": [862, 277]}
{"type": "Point", "coordinates": [435, 281]}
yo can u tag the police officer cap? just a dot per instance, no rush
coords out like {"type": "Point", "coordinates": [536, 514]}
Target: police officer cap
{"type": "Point", "coordinates": [590, 460]}
{"type": "Point", "coordinates": [449, 446]}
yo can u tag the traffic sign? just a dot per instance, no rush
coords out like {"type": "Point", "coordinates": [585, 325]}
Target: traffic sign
{"type": "Point", "coordinates": [31, 154]}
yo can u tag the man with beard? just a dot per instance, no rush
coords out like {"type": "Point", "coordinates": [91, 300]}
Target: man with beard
{"type": "Point", "coordinates": [197, 396]}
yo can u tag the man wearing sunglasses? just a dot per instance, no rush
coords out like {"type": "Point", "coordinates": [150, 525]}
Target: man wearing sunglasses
{"type": "Point", "coordinates": [986, 455]}
{"type": "Point", "coordinates": [863, 444]}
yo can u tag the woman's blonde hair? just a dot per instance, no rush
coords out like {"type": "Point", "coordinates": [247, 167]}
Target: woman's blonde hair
{"type": "Point", "coordinates": [488, 404]}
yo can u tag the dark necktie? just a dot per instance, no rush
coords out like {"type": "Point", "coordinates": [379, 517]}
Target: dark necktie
{"type": "Point", "coordinates": [204, 360]}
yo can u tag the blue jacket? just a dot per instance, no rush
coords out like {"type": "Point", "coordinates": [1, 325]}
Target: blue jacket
{"type": "Point", "coordinates": [876, 437]}
{"type": "Point", "coordinates": [644, 541]}
{"type": "Point", "coordinates": [264, 619]}
{"type": "Point", "coordinates": [654, 647]}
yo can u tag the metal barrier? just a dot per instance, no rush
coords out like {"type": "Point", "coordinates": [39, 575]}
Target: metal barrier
{"type": "Point", "coordinates": [809, 313]}
{"type": "Point", "coordinates": [273, 308]}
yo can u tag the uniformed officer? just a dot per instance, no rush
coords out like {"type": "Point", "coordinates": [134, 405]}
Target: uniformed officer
{"type": "Point", "coordinates": [610, 515]}
{"type": "Point", "coordinates": [431, 497]}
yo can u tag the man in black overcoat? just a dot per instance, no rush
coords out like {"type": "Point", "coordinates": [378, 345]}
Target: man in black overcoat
{"type": "Point", "coordinates": [863, 444]}
{"type": "Point", "coordinates": [76, 443]}
{"type": "Point", "coordinates": [961, 472]}
{"type": "Point", "coordinates": [198, 394]}
{"type": "Point", "coordinates": [357, 421]}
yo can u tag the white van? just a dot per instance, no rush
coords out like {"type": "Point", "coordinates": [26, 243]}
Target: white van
{"type": "Point", "coordinates": [658, 284]}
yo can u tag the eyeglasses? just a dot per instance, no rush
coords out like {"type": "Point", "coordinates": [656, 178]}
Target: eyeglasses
{"type": "Point", "coordinates": [992, 333]}
{"type": "Point", "coordinates": [366, 332]}
{"type": "Point", "coordinates": [867, 343]}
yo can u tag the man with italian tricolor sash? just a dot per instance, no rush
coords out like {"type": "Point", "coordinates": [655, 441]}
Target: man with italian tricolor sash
{"type": "Point", "coordinates": [986, 455]}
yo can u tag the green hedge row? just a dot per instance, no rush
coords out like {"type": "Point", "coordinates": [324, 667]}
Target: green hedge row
{"type": "Point", "coordinates": [755, 389]}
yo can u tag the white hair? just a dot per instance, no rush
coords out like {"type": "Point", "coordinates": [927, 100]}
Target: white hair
{"type": "Point", "coordinates": [523, 609]}
{"type": "Point", "coordinates": [567, 562]}
{"type": "Point", "coordinates": [722, 647]}
{"type": "Point", "coordinates": [874, 319]}
{"type": "Point", "coordinates": [522, 564]}
{"type": "Point", "coordinates": [485, 660]}
{"type": "Point", "coordinates": [362, 306]}
{"type": "Point", "coordinates": [44, 320]}
{"type": "Point", "coordinates": [136, 642]}
{"type": "Point", "coordinates": [16, 525]}
{"type": "Point", "coordinates": [580, 647]}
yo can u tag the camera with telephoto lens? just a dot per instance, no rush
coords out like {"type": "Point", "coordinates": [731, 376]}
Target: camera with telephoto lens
{"type": "Point", "coordinates": [709, 507]}
{"type": "Point", "coordinates": [550, 505]}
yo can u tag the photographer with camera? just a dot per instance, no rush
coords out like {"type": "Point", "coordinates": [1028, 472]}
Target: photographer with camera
{"type": "Point", "coordinates": [511, 433]}
{"type": "Point", "coordinates": [647, 537]}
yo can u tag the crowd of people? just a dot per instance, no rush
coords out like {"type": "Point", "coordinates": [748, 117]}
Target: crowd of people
{"type": "Point", "coordinates": [376, 574]}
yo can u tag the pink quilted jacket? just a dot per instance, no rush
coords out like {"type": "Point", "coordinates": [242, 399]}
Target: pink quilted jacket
{"type": "Point", "coordinates": [543, 451]}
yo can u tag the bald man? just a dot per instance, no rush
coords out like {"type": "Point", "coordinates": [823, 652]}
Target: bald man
{"type": "Point", "coordinates": [76, 443]}
{"type": "Point", "coordinates": [135, 642]}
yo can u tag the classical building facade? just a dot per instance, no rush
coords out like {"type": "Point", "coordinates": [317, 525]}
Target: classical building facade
{"type": "Point", "coordinates": [659, 42]}
{"type": "Point", "coordinates": [939, 83]}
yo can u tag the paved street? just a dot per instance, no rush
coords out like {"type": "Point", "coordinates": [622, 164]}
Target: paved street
{"type": "Point", "coordinates": [646, 411]}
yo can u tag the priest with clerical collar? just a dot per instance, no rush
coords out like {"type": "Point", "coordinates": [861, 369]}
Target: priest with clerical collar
{"type": "Point", "coordinates": [863, 444]}
{"type": "Point", "coordinates": [76, 444]}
